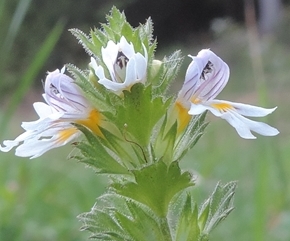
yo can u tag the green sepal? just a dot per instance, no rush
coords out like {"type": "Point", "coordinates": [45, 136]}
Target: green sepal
{"type": "Point", "coordinates": [96, 156]}
{"type": "Point", "coordinates": [190, 137]}
{"type": "Point", "coordinates": [140, 112]}
{"type": "Point", "coordinates": [164, 143]}
{"type": "Point", "coordinates": [204, 214]}
{"type": "Point", "coordinates": [155, 185]}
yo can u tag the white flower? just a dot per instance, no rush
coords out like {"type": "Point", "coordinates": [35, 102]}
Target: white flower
{"type": "Point", "coordinates": [65, 105]}
{"type": "Point", "coordinates": [125, 66]}
{"type": "Point", "coordinates": [205, 78]}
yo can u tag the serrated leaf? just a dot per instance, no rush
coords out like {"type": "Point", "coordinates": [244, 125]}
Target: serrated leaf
{"type": "Point", "coordinates": [96, 156]}
{"type": "Point", "coordinates": [123, 148]}
{"type": "Point", "coordinates": [220, 205]}
{"type": "Point", "coordinates": [156, 185]}
{"type": "Point", "coordinates": [115, 217]}
{"type": "Point", "coordinates": [127, 30]}
{"type": "Point", "coordinates": [190, 137]}
{"type": "Point", "coordinates": [94, 95]}
{"type": "Point", "coordinates": [141, 225]}
{"type": "Point", "coordinates": [84, 40]}
{"type": "Point", "coordinates": [203, 214]}
{"type": "Point", "coordinates": [170, 68]}
{"type": "Point", "coordinates": [98, 42]}
{"type": "Point", "coordinates": [116, 19]}
{"type": "Point", "coordinates": [140, 113]}
{"type": "Point", "coordinates": [146, 30]}
{"type": "Point", "coordinates": [111, 35]}
{"type": "Point", "coordinates": [187, 228]}
{"type": "Point", "coordinates": [165, 141]}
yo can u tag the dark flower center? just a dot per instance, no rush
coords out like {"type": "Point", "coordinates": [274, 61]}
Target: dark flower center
{"type": "Point", "coordinates": [120, 66]}
{"type": "Point", "coordinates": [207, 69]}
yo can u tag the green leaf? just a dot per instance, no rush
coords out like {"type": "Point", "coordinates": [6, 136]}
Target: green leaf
{"type": "Point", "coordinates": [140, 113]}
{"type": "Point", "coordinates": [155, 185]}
{"type": "Point", "coordinates": [116, 19]}
{"type": "Point", "coordinates": [190, 137]}
{"type": "Point", "coordinates": [100, 98]}
{"type": "Point", "coordinates": [96, 156]}
{"type": "Point", "coordinates": [165, 141]}
{"type": "Point", "coordinates": [203, 214]}
{"type": "Point", "coordinates": [169, 69]}
{"type": "Point", "coordinates": [217, 207]}
{"type": "Point", "coordinates": [187, 228]}
{"type": "Point", "coordinates": [142, 224]}
{"type": "Point", "coordinates": [122, 149]}
{"type": "Point", "coordinates": [127, 30]}
{"type": "Point", "coordinates": [85, 40]}
{"type": "Point", "coordinates": [115, 217]}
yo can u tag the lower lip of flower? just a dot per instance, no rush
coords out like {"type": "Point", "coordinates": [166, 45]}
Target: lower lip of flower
{"type": "Point", "coordinates": [222, 106]}
{"type": "Point", "coordinates": [66, 134]}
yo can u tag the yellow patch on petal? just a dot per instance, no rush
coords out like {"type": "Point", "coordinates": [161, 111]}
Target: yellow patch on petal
{"type": "Point", "coordinates": [194, 100]}
{"type": "Point", "coordinates": [66, 134]}
{"type": "Point", "coordinates": [222, 106]}
{"type": "Point", "coordinates": [93, 122]}
{"type": "Point", "coordinates": [183, 116]}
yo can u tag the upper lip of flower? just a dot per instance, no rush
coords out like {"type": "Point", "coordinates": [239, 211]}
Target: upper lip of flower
{"type": "Point", "coordinates": [65, 96]}
{"type": "Point", "coordinates": [125, 66]}
{"type": "Point", "coordinates": [62, 94]}
{"type": "Point", "coordinates": [205, 78]}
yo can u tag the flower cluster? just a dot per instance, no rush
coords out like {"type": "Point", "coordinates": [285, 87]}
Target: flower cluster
{"type": "Point", "coordinates": [205, 78]}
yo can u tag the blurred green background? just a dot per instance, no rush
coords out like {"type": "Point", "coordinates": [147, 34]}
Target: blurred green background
{"type": "Point", "coordinates": [40, 199]}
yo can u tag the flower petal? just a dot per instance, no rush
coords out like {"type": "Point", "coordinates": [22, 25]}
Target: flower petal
{"type": "Point", "coordinates": [244, 126]}
{"type": "Point", "coordinates": [62, 93]}
{"type": "Point", "coordinates": [109, 55]}
{"type": "Point", "coordinates": [231, 112]}
{"type": "Point", "coordinates": [196, 109]}
{"type": "Point", "coordinates": [249, 110]}
{"type": "Point", "coordinates": [114, 86]}
{"type": "Point", "coordinates": [141, 64]}
{"type": "Point", "coordinates": [43, 110]}
{"type": "Point", "coordinates": [126, 48]}
{"type": "Point", "coordinates": [9, 144]}
{"type": "Point", "coordinates": [214, 76]}
{"type": "Point", "coordinates": [99, 70]}
{"type": "Point", "coordinates": [35, 147]}
{"type": "Point", "coordinates": [241, 127]}
{"type": "Point", "coordinates": [205, 77]}
{"type": "Point", "coordinates": [131, 75]}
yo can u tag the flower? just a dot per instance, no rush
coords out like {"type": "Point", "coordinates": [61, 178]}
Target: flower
{"type": "Point", "coordinates": [126, 67]}
{"type": "Point", "coordinates": [65, 105]}
{"type": "Point", "coordinates": [205, 78]}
